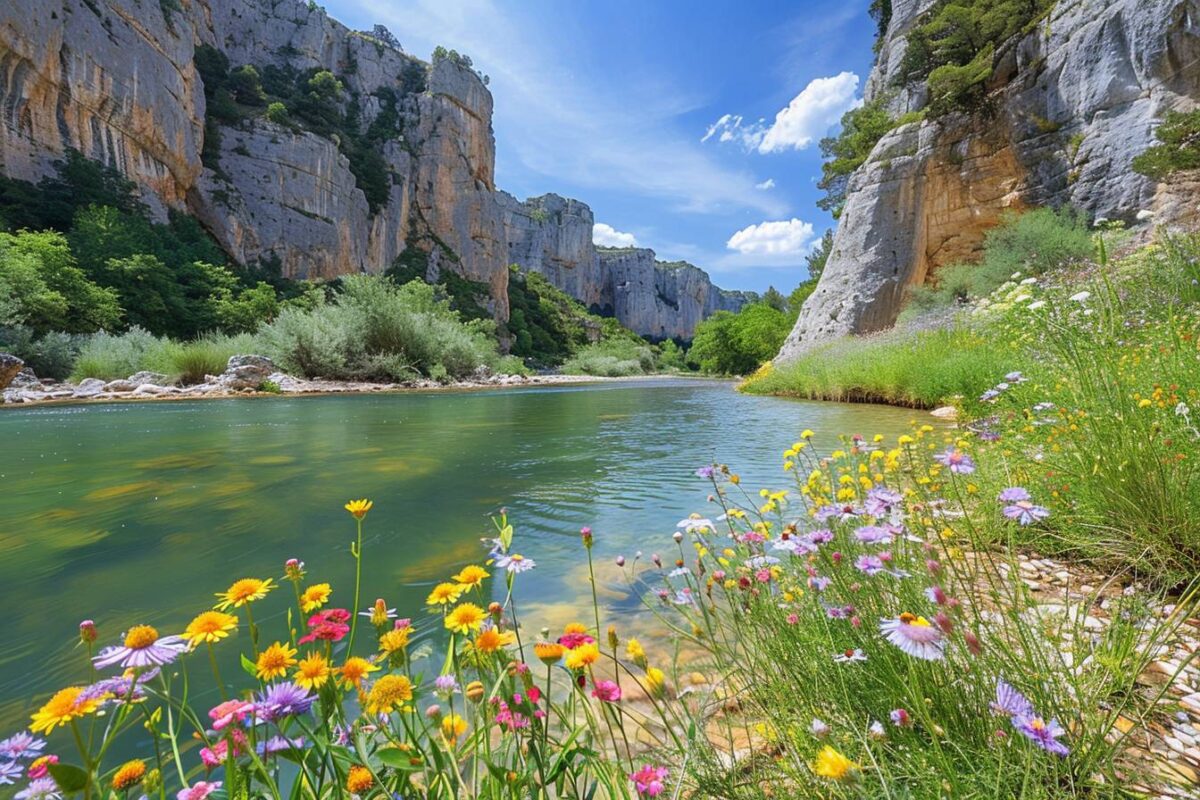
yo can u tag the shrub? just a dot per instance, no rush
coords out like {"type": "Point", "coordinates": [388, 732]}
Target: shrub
{"type": "Point", "coordinates": [611, 359]}
{"type": "Point", "coordinates": [736, 344]}
{"type": "Point", "coordinates": [109, 356]}
{"type": "Point", "coordinates": [208, 355]}
{"type": "Point", "coordinates": [50, 355]}
{"type": "Point", "coordinates": [1179, 150]}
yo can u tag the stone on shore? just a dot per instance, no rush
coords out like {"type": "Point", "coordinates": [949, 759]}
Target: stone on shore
{"type": "Point", "coordinates": [10, 366]}
{"type": "Point", "coordinates": [246, 372]}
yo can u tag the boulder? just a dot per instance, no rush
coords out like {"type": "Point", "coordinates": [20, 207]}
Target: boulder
{"type": "Point", "coordinates": [25, 379]}
{"type": "Point", "coordinates": [147, 377]}
{"type": "Point", "coordinates": [945, 412]}
{"type": "Point", "coordinates": [89, 387]}
{"type": "Point", "coordinates": [120, 385]}
{"type": "Point", "coordinates": [246, 372]}
{"type": "Point", "coordinates": [10, 366]}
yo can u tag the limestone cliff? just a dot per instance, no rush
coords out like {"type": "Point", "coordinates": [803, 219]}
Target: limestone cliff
{"type": "Point", "coordinates": [1074, 101]}
{"type": "Point", "coordinates": [552, 236]}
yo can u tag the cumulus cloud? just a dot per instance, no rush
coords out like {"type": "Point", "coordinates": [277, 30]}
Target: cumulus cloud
{"type": "Point", "coordinates": [769, 183]}
{"type": "Point", "coordinates": [778, 239]}
{"type": "Point", "coordinates": [608, 236]}
{"type": "Point", "coordinates": [817, 108]}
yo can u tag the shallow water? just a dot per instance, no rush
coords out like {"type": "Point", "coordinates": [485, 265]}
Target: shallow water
{"type": "Point", "coordinates": [130, 513]}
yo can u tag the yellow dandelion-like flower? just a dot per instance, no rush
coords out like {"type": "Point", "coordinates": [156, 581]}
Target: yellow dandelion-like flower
{"type": "Point", "coordinates": [275, 661]}
{"type": "Point", "coordinates": [359, 508]}
{"type": "Point", "coordinates": [66, 705]}
{"type": "Point", "coordinates": [582, 656]}
{"type": "Point", "coordinates": [244, 591]}
{"type": "Point", "coordinates": [444, 594]}
{"type": "Point", "coordinates": [209, 627]}
{"type": "Point", "coordinates": [359, 778]}
{"type": "Point", "coordinates": [548, 652]}
{"type": "Point", "coordinates": [312, 672]}
{"type": "Point", "coordinates": [575, 627]}
{"type": "Point", "coordinates": [633, 648]}
{"type": "Point", "coordinates": [470, 576]}
{"type": "Point", "coordinates": [655, 682]}
{"type": "Point", "coordinates": [315, 596]}
{"type": "Point", "coordinates": [453, 726]}
{"type": "Point", "coordinates": [128, 774]}
{"type": "Point", "coordinates": [833, 765]}
{"type": "Point", "coordinates": [491, 640]}
{"type": "Point", "coordinates": [395, 640]}
{"type": "Point", "coordinates": [388, 693]}
{"type": "Point", "coordinates": [354, 670]}
{"type": "Point", "coordinates": [465, 618]}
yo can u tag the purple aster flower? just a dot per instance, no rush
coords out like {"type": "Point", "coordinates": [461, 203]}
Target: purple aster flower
{"type": "Point", "coordinates": [21, 745]}
{"type": "Point", "coordinates": [277, 744]}
{"type": "Point", "coordinates": [1025, 512]}
{"type": "Point", "coordinates": [143, 647]}
{"type": "Point", "coordinates": [871, 565]}
{"type": "Point", "coordinates": [1013, 494]}
{"type": "Point", "coordinates": [120, 689]}
{"type": "Point", "coordinates": [820, 536]}
{"type": "Point", "coordinates": [10, 771]}
{"type": "Point", "coordinates": [956, 460]}
{"type": "Point", "coordinates": [1009, 702]}
{"type": "Point", "coordinates": [881, 500]}
{"type": "Point", "coordinates": [281, 700]}
{"type": "Point", "coordinates": [873, 534]}
{"type": "Point", "coordinates": [515, 563]}
{"type": "Point", "coordinates": [794, 546]}
{"type": "Point", "coordinates": [915, 636]}
{"type": "Point", "coordinates": [838, 612]}
{"type": "Point", "coordinates": [40, 789]}
{"type": "Point", "coordinates": [1042, 733]}
{"type": "Point", "coordinates": [819, 583]}
{"type": "Point", "coordinates": [445, 685]}
{"type": "Point", "coordinates": [706, 472]}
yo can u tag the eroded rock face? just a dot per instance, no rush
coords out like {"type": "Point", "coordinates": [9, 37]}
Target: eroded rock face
{"type": "Point", "coordinates": [10, 366]}
{"type": "Point", "coordinates": [1078, 98]}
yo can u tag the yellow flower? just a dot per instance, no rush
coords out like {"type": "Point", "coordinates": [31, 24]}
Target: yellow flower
{"type": "Point", "coordinates": [275, 661]}
{"type": "Point", "coordinates": [354, 670]}
{"type": "Point", "coordinates": [453, 726]}
{"type": "Point", "coordinates": [359, 778]}
{"type": "Point", "coordinates": [209, 626]}
{"type": "Point", "coordinates": [247, 590]}
{"type": "Point", "coordinates": [312, 672]}
{"type": "Point", "coordinates": [465, 618]}
{"type": "Point", "coordinates": [394, 640]}
{"type": "Point", "coordinates": [470, 576]}
{"type": "Point", "coordinates": [582, 656]}
{"type": "Point", "coordinates": [389, 692]}
{"type": "Point", "coordinates": [359, 508]}
{"type": "Point", "coordinates": [128, 774]}
{"type": "Point", "coordinates": [491, 640]}
{"type": "Point", "coordinates": [548, 652]}
{"type": "Point", "coordinates": [807, 434]}
{"type": "Point", "coordinates": [655, 682]}
{"type": "Point", "coordinates": [1144, 403]}
{"type": "Point", "coordinates": [444, 594]}
{"type": "Point", "coordinates": [315, 596]}
{"type": "Point", "coordinates": [575, 627]}
{"type": "Point", "coordinates": [66, 705]}
{"type": "Point", "coordinates": [833, 765]}
{"type": "Point", "coordinates": [633, 648]}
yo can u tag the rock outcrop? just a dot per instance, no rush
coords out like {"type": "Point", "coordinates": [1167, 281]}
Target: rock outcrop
{"type": "Point", "coordinates": [10, 366]}
{"type": "Point", "coordinates": [1075, 100]}
{"type": "Point", "coordinates": [552, 236]}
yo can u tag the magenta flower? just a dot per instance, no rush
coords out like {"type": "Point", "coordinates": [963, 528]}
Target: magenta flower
{"type": "Point", "coordinates": [607, 691]}
{"type": "Point", "coordinates": [915, 636]}
{"type": "Point", "coordinates": [956, 461]}
{"type": "Point", "coordinates": [900, 718]}
{"type": "Point", "coordinates": [231, 712]}
{"type": "Point", "coordinates": [198, 790]}
{"type": "Point", "coordinates": [649, 781]}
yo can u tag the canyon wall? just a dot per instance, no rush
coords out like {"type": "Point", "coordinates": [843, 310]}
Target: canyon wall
{"type": "Point", "coordinates": [1074, 101]}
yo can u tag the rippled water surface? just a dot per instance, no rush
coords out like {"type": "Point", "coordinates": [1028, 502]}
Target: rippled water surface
{"type": "Point", "coordinates": [140, 512]}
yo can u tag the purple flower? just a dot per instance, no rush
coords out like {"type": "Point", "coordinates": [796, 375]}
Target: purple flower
{"type": "Point", "coordinates": [818, 728]}
{"type": "Point", "coordinates": [873, 534]}
{"type": "Point", "coordinates": [21, 745]}
{"type": "Point", "coordinates": [956, 461]}
{"type": "Point", "coordinates": [1025, 512]}
{"type": "Point", "coordinates": [10, 771]}
{"type": "Point", "coordinates": [871, 565]}
{"type": "Point", "coordinates": [277, 744]}
{"type": "Point", "coordinates": [143, 647]}
{"type": "Point", "coordinates": [1009, 702]}
{"type": "Point", "coordinates": [119, 689]}
{"type": "Point", "coordinates": [445, 685]}
{"type": "Point", "coordinates": [900, 718]}
{"type": "Point", "coordinates": [1042, 733]}
{"type": "Point", "coordinates": [1013, 494]}
{"type": "Point", "coordinates": [988, 396]}
{"type": "Point", "coordinates": [794, 545]}
{"type": "Point", "coordinates": [818, 583]}
{"type": "Point", "coordinates": [839, 513]}
{"type": "Point", "coordinates": [706, 472]}
{"type": "Point", "coordinates": [881, 500]}
{"type": "Point", "coordinates": [283, 700]}
{"type": "Point", "coordinates": [915, 636]}
{"type": "Point", "coordinates": [650, 781]}
{"type": "Point", "coordinates": [820, 536]}
{"type": "Point", "coordinates": [515, 563]}
{"type": "Point", "coordinates": [40, 789]}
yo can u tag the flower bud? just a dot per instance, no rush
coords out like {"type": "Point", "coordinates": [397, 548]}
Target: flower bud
{"type": "Point", "coordinates": [620, 561]}
{"type": "Point", "coordinates": [475, 691]}
{"type": "Point", "coordinates": [657, 561]}
{"type": "Point", "coordinates": [677, 536]}
{"type": "Point", "coordinates": [293, 569]}
{"type": "Point", "coordinates": [87, 631]}
{"type": "Point", "coordinates": [433, 712]}
{"type": "Point", "coordinates": [586, 534]}
{"type": "Point", "coordinates": [495, 609]}
{"type": "Point", "coordinates": [613, 641]}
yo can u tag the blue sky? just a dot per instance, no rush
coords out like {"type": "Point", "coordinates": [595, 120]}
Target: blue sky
{"type": "Point", "coordinates": [688, 127]}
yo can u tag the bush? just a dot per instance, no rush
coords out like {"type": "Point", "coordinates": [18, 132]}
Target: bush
{"type": "Point", "coordinates": [109, 356]}
{"type": "Point", "coordinates": [208, 355]}
{"type": "Point", "coordinates": [611, 359]}
{"type": "Point", "coordinates": [1179, 134]}
{"type": "Point", "coordinates": [51, 355]}
{"type": "Point", "coordinates": [736, 344]}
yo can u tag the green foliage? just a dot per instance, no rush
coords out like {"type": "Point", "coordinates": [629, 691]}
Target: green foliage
{"type": "Point", "coordinates": [277, 112]}
{"type": "Point", "coordinates": [773, 298]}
{"type": "Point", "coordinates": [109, 356]}
{"type": "Point", "coordinates": [736, 344]}
{"type": "Point", "coordinates": [42, 288]}
{"type": "Point", "coordinates": [817, 258]}
{"type": "Point", "coordinates": [50, 355]}
{"type": "Point", "coordinates": [861, 129]}
{"type": "Point", "coordinates": [617, 358]}
{"type": "Point", "coordinates": [191, 361]}
{"type": "Point", "coordinates": [246, 86]}
{"type": "Point", "coordinates": [1179, 134]}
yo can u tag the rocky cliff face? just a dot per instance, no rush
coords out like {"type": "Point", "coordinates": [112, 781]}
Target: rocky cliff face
{"type": "Point", "coordinates": [552, 236]}
{"type": "Point", "coordinates": [1076, 99]}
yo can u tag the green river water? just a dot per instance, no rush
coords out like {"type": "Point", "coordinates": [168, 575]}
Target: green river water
{"type": "Point", "coordinates": [129, 513]}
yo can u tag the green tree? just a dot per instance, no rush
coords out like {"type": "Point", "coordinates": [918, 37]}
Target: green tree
{"type": "Point", "coordinates": [736, 344]}
{"type": "Point", "coordinates": [86, 307]}
{"type": "Point", "coordinates": [861, 129]}
{"type": "Point", "coordinates": [774, 298]}
{"type": "Point", "coordinates": [817, 258]}
{"type": "Point", "coordinates": [1179, 150]}
{"type": "Point", "coordinates": [246, 86]}
{"type": "Point", "coordinates": [277, 112]}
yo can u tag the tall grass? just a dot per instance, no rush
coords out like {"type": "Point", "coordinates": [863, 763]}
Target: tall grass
{"type": "Point", "coordinates": [110, 356]}
{"type": "Point", "coordinates": [615, 358]}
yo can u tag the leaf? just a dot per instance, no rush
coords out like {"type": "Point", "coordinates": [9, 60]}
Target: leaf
{"type": "Point", "coordinates": [397, 759]}
{"type": "Point", "coordinates": [249, 667]}
{"type": "Point", "coordinates": [70, 778]}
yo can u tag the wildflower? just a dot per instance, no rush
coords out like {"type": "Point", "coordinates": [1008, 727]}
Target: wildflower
{"type": "Point", "coordinates": [354, 670]}
{"type": "Point", "coordinates": [40, 766]}
{"type": "Point", "coordinates": [583, 656]}
{"type": "Point", "coordinates": [470, 576]}
{"type": "Point", "coordinates": [848, 656]}
{"type": "Point", "coordinates": [315, 596]}
{"type": "Point", "coordinates": [453, 726]}
{"type": "Point", "coordinates": [275, 661]}
{"type": "Point", "coordinates": [585, 533]}
{"type": "Point", "coordinates": [870, 565]}
{"type": "Point", "coordinates": [388, 693]}
{"type": "Point", "coordinates": [244, 591]}
{"type": "Point", "coordinates": [818, 728]}
{"type": "Point", "coordinates": [706, 472]}
{"type": "Point", "coordinates": [394, 641]}
{"type": "Point", "coordinates": [444, 594]}
{"type": "Point", "coordinates": [956, 461]}
{"type": "Point", "coordinates": [21, 745]}
{"type": "Point", "coordinates": [359, 779]}
{"type": "Point", "coordinates": [66, 705]}
{"type": "Point", "coordinates": [465, 618]}
{"type": "Point", "coordinates": [633, 648]}
{"type": "Point", "coordinates": [209, 627]}
{"type": "Point", "coordinates": [230, 712]}
{"type": "Point", "coordinates": [10, 772]}
{"type": "Point", "coordinates": [876, 731]}
{"type": "Point", "coordinates": [548, 652]}
{"type": "Point", "coordinates": [293, 569]}
{"type": "Point", "coordinates": [833, 765]}
{"type": "Point", "coordinates": [445, 685]}
{"type": "Point", "coordinates": [143, 647]}
{"type": "Point", "coordinates": [515, 563]}
{"type": "Point", "coordinates": [490, 640]}
{"type": "Point", "coordinates": [1042, 733]}
{"type": "Point", "coordinates": [695, 524]}
{"type": "Point", "coordinates": [277, 744]}
{"type": "Point", "coordinates": [936, 594]}
{"type": "Point", "coordinates": [655, 682]}
{"type": "Point", "coordinates": [359, 508]}
{"type": "Point", "coordinates": [282, 700]}
{"type": "Point", "coordinates": [973, 645]}
{"type": "Point", "coordinates": [87, 631]}
{"type": "Point", "coordinates": [312, 672]}
{"type": "Point", "coordinates": [881, 500]}
{"type": "Point", "coordinates": [620, 561]}
{"type": "Point", "coordinates": [379, 614]}
{"type": "Point", "coordinates": [873, 534]}
{"type": "Point", "coordinates": [200, 790]}
{"type": "Point", "coordinates": [915, 636]}
{"type": "Point", "coordinates": [1009, 702]}
{"type": "Point", "coordinates": [900, 718]}
{"type": "Point", "coordinates": [574, 635]}
{"type": "Point", "coordinates": [1025, 512]}
{"type": "Point", "coordinates": [40, 789]}
{"type": "Point", "coordinates": [128, 774]}
{"type": "Point", "coordinates": [329, 625]}
{"type": "Point", "coordinates": [649, 781]}
{"type": "Point", "coordinates": [606, 691]}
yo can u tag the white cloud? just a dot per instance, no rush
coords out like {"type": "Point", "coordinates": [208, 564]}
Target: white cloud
{"type": "Point", "coordinates": [769, 183]}
{"type": "Point", "coordinates": [817, 108]}
{"type": "Point", "coordinates": [779, 240]}
{"type": "Point", "coordinates": [608, 236]}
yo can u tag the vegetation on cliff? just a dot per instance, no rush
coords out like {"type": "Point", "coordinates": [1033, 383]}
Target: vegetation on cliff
{"type": "Point", "coordinates": [1179, 148]}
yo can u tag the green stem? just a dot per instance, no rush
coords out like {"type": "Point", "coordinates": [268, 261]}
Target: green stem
{"type": "Point", "coordinates": [357, 552]}
{"type": "Point", "coordinates": [212, 660]}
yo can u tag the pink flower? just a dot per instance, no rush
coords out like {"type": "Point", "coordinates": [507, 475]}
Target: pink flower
{"type": "Point", "coordinates": [573, 640]}
{"type": "Point", "coordinates": [763, 575]}
{"type": "Point", "coordinates": [198, 790]}
{"type": "Point", "coordinates": [649, 780]}
{"type": "Point", "coordinates": [40, 767]}
{"type": "Point", "coordinates": [215, 756]}
{"type": "Point", "coordinates": [607, 691]}
{"type": "Point", "coordinates": [231, 711]}
{"type": "Point", "coordinates": [793, 619]}
{"type": "Point", "coordinates": [329, 625]}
